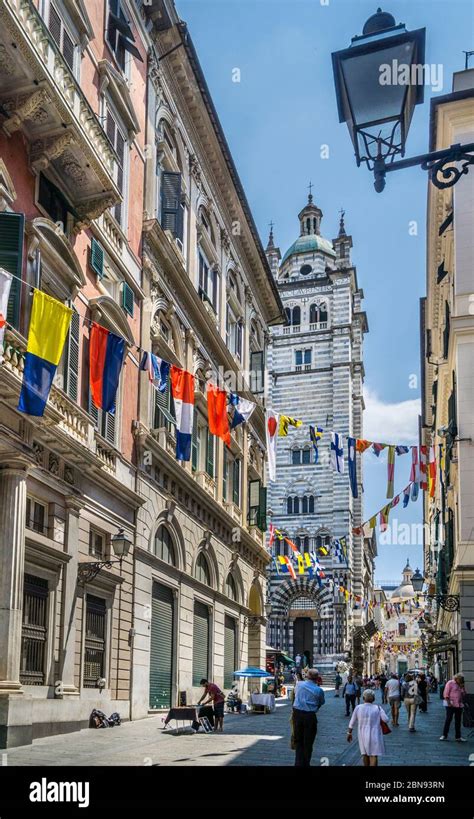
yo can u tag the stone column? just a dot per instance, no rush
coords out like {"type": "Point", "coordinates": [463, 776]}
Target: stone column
{"type": "Point", "coordinates": [69, 598]}
{"type": "Point", "coordinates": [13, 476]}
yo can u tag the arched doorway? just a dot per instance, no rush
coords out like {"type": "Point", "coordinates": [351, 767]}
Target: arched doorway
{"type": "Point", "coordinates": [303, 637]}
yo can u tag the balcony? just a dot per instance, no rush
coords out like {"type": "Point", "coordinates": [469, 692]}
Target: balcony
{"type": "Point", "coordinates": [42, 99]}
{"type": "Point", "coordinates": [319, 325]}
{"type": "Point", "coordinates": [207, 483]}
{"type": "Point", "coordinates": [234, 511]}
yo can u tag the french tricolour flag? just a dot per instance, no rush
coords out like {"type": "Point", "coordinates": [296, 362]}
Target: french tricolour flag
{"type": "Point", "coordinates": [182, 387]}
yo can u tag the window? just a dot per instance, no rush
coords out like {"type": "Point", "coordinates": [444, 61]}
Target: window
{"type": "Point", "coordinates": [97, 544]}
{"type": "Point", "coordinates": [289, 506]}
{"type": "Point", "coordinates": [257, 372]}
{"type": "Point", "coordinates": [257, 505]}
{"type": "Point", "coordinates": [306, 456]}
{"type": "Point", "coordinates": [208, 281]}
{"type": "Point", "coordinates": [311, 504]}
{"type": "Point", "coordinates": [118, 140]}
{"type": "Point", "coordinates": [303, 357]}
{"type": "Point", "coordinates": [201, 635]}
{"type": "Point", "coordinates": [210, 448]}
{"type": "Point", "coordinates": [202, 572]}
{"type": "Point", "coordinates": [164, 548]}
{"type": "Point", "coordinates": [94, 646]}
{"type": "Point", "coordinates": [296, 506]}
{"type": "Point", "coordinates": [171, 204]}
{"type": "Point", "coordinates": [236, 483]}
{"type": "Point", "coordinates": [234, 333]}
{"type": "Point", "coordinates": [104, 422]}
{"type": "Point", "coordinates": [305, 270]}
{"type": "Point", "coordinates": [296, 457]}
{"type": "Point", "coordinates": [119, 34]}
{"type": "Point", "coordinates": [296, 317]}
{"type": "Point", "coordinates": [36, 516]}
{"type": "Point", "coordinates": [402, 629]}
{"type": "Point", "coordinates": [304, 505]}
{"type": "Point", "coordinates": [54, 203]}
{"type": "Point", "coordinates": [34, 630]}
{"type": "Point", "coordinates": [163, 410]}
{"type": "Point", "coordinates": [71, 358]}
{"type": "Point", "coordinates": [63, 37]}
{"type": "Point", "coordinates": [12, 229]}
{"type": "Point", "coordinates": [231, 588]}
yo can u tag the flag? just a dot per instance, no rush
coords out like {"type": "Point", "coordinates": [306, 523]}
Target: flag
{"type": "Point", "coordinates": [182, 388]}
{"type": "Point", "coordinates": [323, 550]}
{"type": "Point", "coordinates": [362, 445]}
{"type": "Point", "coordinates": [242, 409]}
{"type": "Point", "coordinates": [390, 471]}
{"type": "Point", "coordinates": [441, 463]}
{"type": "Point", "coordinates": [415, 473]}
{"type": "Point", "coordinates": [49, 325]}
{"type": "Point", "coordinates": [157, 369]}
{"type": "Point", "coordinates": [432, 471]}
{"type": "Point", "coordinates": [337, 452]}
{"type": "Point", "coordinates": [401, 450]}
{"type": "Point", "coordinates": [271, 532]}
{"type": "Point", "coordinates": [285, 422]}
{"type": "Point", "coordinates": [5, 284]}
{"type": "Point", "coordinates": [406, 496]}
{"type": "Point", "coordinates": [423, 468]}
{"type": "Point", "coordinates": [285, 561]}
{"type": "Point", "coordinates": [315, 433]}
{"type": "Point", "coordinates": [292, 545]}
{"type": "Point", "coordinates": [106, 352]}
{"type": "Point", "coordinates": [352, 463]}
{"type": "Point", "coordinates": [384, 513]}
{"type": "Point", "coordinates": [271, 419]}
{"type": "Point", "coordinates": [217, 413]}
{"type": "Point", "coordinates": [377, 448]}
{"type": "Point", "coordinates": [373, 521]}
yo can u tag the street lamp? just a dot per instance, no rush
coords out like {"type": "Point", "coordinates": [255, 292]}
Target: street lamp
{"type": "Point", "coordinates": [121, 546]}
{"type": "Point", "coordinates": [379, 80]}
{"type": "Point", "coordinates": [417, 581]}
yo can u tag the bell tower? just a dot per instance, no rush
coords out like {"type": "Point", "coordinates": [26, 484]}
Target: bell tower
{"type": "Point", "coordinates": [310, 217]}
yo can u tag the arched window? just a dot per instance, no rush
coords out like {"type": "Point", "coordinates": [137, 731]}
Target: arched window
{"type": "Point", "coordinates": [315, 225]}
{"type": "Point", "coordinates": [306, 544]}
{"type": "Point", "coordinates": [163, 546]}
{"type": "Point", "coordinates": [323, 313]}
{"type": "Point", "coordinates": [289, 506]}
{"type": "Point", "coordinates": [304, 505]}
{"type": "Point", "coordinates": [202, 572]}
{"type": "Point", "coordinates": [306, 456]}
{"type": "Point", "coordinates": [288, 314]}
{"type": "Point", "coordinates": [311, 505]}
{"type": "Point", "coordinates": [298, 542]}
{"type": "Point", "coordinates": [313, 314]}
{"type": "Point", "coordinates": [296, 316]}
{"type": "Point", "coordinates": [296, 456]}
{"type": "Point", "coordinates": [231, 588]}
{"type": "Point", "coordinates": [296, 506]}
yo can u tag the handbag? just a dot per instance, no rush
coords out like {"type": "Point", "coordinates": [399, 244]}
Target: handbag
{"type": "Point", "coordinates": [385, 726]}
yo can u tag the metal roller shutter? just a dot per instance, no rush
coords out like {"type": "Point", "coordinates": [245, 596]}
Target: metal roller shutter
{"type": "Point", "coordinates": [161, 646]}
{"type": "Point", "coordinates": [200, 643]}
{"type": "Point", "coordinates": [229, 651]}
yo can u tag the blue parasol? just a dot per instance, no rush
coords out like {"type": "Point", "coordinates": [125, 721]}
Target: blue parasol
{"type": "Point", "coordinates": [251, 671]}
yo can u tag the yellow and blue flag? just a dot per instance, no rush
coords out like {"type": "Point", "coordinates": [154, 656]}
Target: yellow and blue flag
{"type": "Point", "coordinates": [49, 325]}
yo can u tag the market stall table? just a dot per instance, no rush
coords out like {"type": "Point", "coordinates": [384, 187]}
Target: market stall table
{"type": "Point", "coordinates": [191, 714]}
{"type": "Point", "coordinates": [265, 701]}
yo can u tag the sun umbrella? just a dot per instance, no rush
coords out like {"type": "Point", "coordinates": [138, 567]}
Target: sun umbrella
{"type": "Point", "coordinates": [251, 671]}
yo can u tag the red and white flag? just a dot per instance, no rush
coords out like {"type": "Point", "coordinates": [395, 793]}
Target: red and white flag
{"type": "Point", "coordinates": [5, 285]}
{"type": "Point", "coordinates": [271, 425]}
{"type": "Point", "coordinates": [423, 468]}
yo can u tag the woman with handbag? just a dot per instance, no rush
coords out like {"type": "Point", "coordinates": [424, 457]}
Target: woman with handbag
{"type": "Point", "coordinates": [372, 724]}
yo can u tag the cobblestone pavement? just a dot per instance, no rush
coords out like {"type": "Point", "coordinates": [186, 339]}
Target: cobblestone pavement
{"type": "Point", "coordinates": [253, 739]}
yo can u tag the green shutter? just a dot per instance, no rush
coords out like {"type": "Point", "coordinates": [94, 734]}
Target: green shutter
{"type": "Point", "coordinates": [200, 642]}
{"type": "Point", "coordinates": [210, 454]}
{"type": "Point", "coordinates": [236, 482]}
{"type": "Point", "coordinates": [163, 409]}
{"type": "Point", "coordinates": [71, 367]}
{"type": "Point", "coordinates": [127, 299]}
{"type": "Point", "coordinates": [262, 511]}
{"type": "Point", "coordinates": [254, 502]}
{"type": "Point", "coordinates": [12, 229]}
{"type": "Point", "coordinates": [161, 646]}
{"type": "Point", "coordinates": [229, 651]}
{"type": "Point", "coordinates": [97, 258]}
{"type": "Point", "coordinates": [171, 208]}
{"type": "Point", "coordinates": [194, 443]}
{"type": "Point", "coordinates": [225, 472]}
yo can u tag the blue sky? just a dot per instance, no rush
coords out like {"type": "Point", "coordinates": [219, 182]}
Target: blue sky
{"type": "Point", "coordinates": [276, 119]}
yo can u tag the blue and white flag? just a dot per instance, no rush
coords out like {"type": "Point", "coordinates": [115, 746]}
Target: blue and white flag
{"type": "Point", "coordinates": [242, 409]}
{"type": "Point", "coordinates": [157, 369]}
{"type": "Point", "coordinates": [401, 450]}
{"type": "Point", "coordinates": [406, 496]}
{"type": "Point", "coordinates": [351, 460]}
{"type": "Point", "coordinates": [337, 452]}
{"type": "Point", "coordinates": [315, 433]}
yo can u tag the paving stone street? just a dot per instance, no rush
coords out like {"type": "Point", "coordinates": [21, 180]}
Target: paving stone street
{"type": "Point", "coordinates": [249, 739]}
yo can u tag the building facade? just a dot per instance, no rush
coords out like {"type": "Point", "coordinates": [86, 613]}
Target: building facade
{"type": "Point", "coordinates": [448, 394]}
{"type": "Point", "coordinates": [316, 375]}
{"type": "Point", "coordinates": [399, 643]}
{"type": "Point", "coordinates": [119, 197]}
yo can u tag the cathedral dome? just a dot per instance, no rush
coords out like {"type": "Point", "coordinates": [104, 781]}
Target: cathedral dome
{"type": "Point", "coordinates": [308, 244]}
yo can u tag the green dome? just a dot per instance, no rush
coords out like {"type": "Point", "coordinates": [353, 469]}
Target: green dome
{"type": "Point", "coordinates": [308, 244]}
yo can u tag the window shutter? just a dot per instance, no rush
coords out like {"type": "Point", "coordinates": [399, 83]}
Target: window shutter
{"type": "Point", "coordinates": [239, 331]}
{"type": "Point", "coordinates": [229, 650]}
{"type": "Point", "coordinates": [97, 258]}
{"type": "Point", "coordinates": [200, 642]}
{"type": "Point", "coordinates": [254, 502]}
{"type": "Point", "coordinates": [194, 442]}
{"type": "Point", "coordinates": [210, 454]}
{"type": "Point", "coordinates": [262, 511]}
{"type": "Point", "coordinates": [71, 369]}
{"type": "Point", "coordinates": [171, 219]}
{"type": "Point", "coordinates": [55, 25]}
{"type": "Point", "coordinates": [257, 372]}
{"type": "Point", "coordinates": [236, 483]}
{"type": "Point", "coordinates": [163, 409]}
{"type": "Point", "coordinates": [298, 357]}
{"type": "Point", "coordinates": [109, 431]}
{"type": "Point", "coordinates": [127, 299]}
{"type": "Point", "coordinates": [225, 473]}
{"type": "Point", "coordinates": [94, 412]}
{"type": "Point", "coordinates": [12, 227]}
{"type": "Point", "coordinates": [110, 128]}
{"type": "Point", "coordinates": [68, 49]}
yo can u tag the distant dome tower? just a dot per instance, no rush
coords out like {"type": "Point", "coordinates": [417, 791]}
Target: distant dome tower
{"type": "Point", "coordinates": [342, 244]}
{"type": "Point", "coordinates": [310, 217]}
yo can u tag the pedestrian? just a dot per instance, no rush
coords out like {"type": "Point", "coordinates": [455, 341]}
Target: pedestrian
{"type": "Point", "coordinates": [217, 698]}
{"type": "Point", "coordinates": [359, 683]}
{"type": "Point", "coordinates": [423, 692]}
{"type": "Point", "coordinates": [383, 683]}
{"type": "Point", "coordinates": [338, 681]}
{"type": "Point", "coordinates": [393, 696]}
{"type": "Point", "coordinates": [369, 716]}
{"type": "Point", "coordinates": [349, 692]}
{"type": "Point", "coordinates": [453, 698]}
{"type": "Point", "coordinates": [411, 699]}
{"type": "Point", "coordinates": [309, 698]}
{"type": "Point", "coordinates": [298, 662]}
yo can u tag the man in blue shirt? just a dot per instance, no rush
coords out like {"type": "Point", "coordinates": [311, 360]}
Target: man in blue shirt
{"type": "Point", "coordinates": [309, 698]}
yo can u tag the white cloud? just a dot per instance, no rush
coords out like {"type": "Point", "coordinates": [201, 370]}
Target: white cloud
{"type": "Point", "coordinates": [390, 423]}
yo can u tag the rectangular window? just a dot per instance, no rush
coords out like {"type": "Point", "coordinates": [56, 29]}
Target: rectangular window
{"type": "Point", "coordinates": [63, 37]}
{"type": "Point", "coordinates": [104, 422]}
{"type": "Point", "coordinates": [54, 202]}
{"type": "Point", "coordinates": [171, 205]}
{"type": "Point", "coordinates": [94, 647]}
{"type": "Point", "coordinates": [34, 630]}
{"type": "Point", "coordinates": [119, 33]}
{"type": "Point", "coordinates": [298, 357]}
{"type": "Point", "coordinates": [402, 629]}
{"type": "Point", "coordinates": [254, 502]}
{"type": "Point", "coordinates": [307, 356]}
{"type": "Point", "coordinates": [236, 482]}
{"type": "Point", "coordinates": [210, 454]}
{"type": "Point", "coordinates": [97, 544]}
{"type": "Point", "coordinates": [36, 516]}
{"type": "Point", "coordinates": [12, 230]}
{"type": "Point", "coordinates": [118, 140]}
{"type": "Point", "coordinates": [257, 372]}
{"type": "Point", "coordinates": [200, 643]}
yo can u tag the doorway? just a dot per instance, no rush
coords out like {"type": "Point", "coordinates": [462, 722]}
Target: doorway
{"type": "Point", "coordinates": [303, 637]}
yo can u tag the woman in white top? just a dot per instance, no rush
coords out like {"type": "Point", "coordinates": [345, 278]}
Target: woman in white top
{"type": "Point", "coordinates": [370, 736]}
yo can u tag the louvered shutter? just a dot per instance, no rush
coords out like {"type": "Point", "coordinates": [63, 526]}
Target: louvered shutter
{"type": "Point", "coordinates": [127, 299]}
{"type": "Point", "coordinates": [164, 415]}
{"type": "Point", "coordinates": [210, 454]}
{"type": "Point", "coordinates": [109, 428]}
{"type": "Point", "coordinates": [171, 211]}
{"type": "Point", "coordinates": [262, 510]}
{"type": "Point", "coordinates": [236, 482]}
{"type": "Point", "coordinates": [194, 442]}
{"type": "Point", "coordinates": [161, 646]}
{"type": "Point", "coordinates": [12, 228]}
{"type": "Point", "coordinates": [200, 642]}
{"type": "Point", "coordinates": [225, 475]}
{"type": "Point", "coordinates": [55, 24]}
{"type": "Point", "coordinates": [68, 49]}
{"type": "Point", "coordinates": [110, 128]}
{"type": "Point", "coordinates": [257, 372]}
{"type": "Point", "coordinates": [71, 368]}
{"type": "Point", "coordinates": [94, 412]}
{"type": "Point", "coordinates": [120, 148]}
{"type": "Point", "coordinates": [97, 258]}
{"type": "Point", "coordinates": [229, 651]}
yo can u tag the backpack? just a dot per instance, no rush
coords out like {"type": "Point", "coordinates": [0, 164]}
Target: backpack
{"type": "Point", "coordinates": [98, 719]}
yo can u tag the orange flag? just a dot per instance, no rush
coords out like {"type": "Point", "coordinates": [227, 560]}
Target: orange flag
{"type": "Point", "coordinates": [362, 445]}
{"type": "Point", "coordinates": [217, 413]}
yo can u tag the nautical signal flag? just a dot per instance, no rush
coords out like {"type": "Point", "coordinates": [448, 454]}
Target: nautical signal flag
{"type": "Point", "coordinates": [182, 388]}
{"type": "Point", "coordinates": [217, 413]}
{"type": "Point", "coordinates": [49, 325]}
{"type": "Point", "coordinates": [315, 434]}
{"type": "Point", "coordinates": [337, 452]}
{"type": "Point", "coordinates": [285, 422]}
{"type": "Point", "coordinates": [106, 359]}
{"type": "Point", "coordinates": [243, 409]}
{"type": "Point", "coordinates": [157, 369]}
{"type": "Point", "coordinates": [271, 419]}
{"type": "Point", "coordinates": [5, 284]}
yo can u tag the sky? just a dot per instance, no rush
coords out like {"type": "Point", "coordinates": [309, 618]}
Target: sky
{"type": "Point", "coordinates": [276, 119]}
